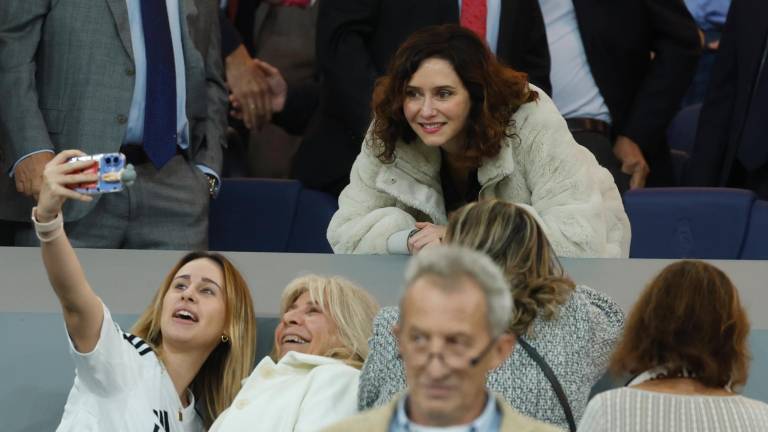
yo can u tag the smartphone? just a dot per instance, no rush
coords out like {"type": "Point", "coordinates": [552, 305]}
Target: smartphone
{"type": "Point", "coordinates": [108, 166]}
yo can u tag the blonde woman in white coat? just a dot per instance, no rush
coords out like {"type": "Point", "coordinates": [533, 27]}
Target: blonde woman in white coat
{"type": "Point", "coordinates": [451, 126]}
{"type": "Point", "coordinates": [320, 345]}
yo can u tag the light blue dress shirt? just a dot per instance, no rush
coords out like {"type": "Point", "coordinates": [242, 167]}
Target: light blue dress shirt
{"type": "Point", "coordinates": [488, 421]}
{"type": "Point", "coordinates": [492, 23]}
{"type": "Point", "coordinates": [134, 133]}
{"type": "Point", "coordinates": [709, 14]}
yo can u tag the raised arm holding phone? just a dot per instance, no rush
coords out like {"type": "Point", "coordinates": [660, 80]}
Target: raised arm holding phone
{"type": "Point", "coordinates": [195, 341]}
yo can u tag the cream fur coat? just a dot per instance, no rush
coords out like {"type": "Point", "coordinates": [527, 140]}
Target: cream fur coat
{"type": "Point", "coordinates": [541, 168]}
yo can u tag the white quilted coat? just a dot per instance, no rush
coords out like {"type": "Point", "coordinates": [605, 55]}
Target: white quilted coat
{"type": "Point", "coordinates": [541, 168]}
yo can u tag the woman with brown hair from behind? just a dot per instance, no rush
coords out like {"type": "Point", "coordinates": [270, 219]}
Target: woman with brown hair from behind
{"type": "Point", "coordinates": [686, 343]}
{"type": "Point", "coordinates": [572, 327]}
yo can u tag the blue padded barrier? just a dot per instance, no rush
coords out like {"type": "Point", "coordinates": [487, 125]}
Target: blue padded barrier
{"type": "Point", "coordinates": [688, 222]}
{"type": "Point", "coordinates": [253, 215]}
{"type": "Point", "coordinates": [756, 242]}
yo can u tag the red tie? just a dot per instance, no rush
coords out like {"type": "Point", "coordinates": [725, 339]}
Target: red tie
{"type": "Point", "coordinates": [232, 10]}
{"type": "Point", "coordinates": [473, 15]}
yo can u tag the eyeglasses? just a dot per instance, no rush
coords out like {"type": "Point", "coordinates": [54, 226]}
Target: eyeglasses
{"type": "Point", "coordinates": [453, 356]}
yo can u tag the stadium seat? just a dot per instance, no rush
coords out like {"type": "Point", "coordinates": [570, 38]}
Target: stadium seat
{"type": "Point", "coordinates": [688, 222]}
{"type": "Point", "coordinates": [266, 215]}
{"type": "Point", "coordinates": [313, 213]}
{"type": "Point", "coordinates": [756, 241]}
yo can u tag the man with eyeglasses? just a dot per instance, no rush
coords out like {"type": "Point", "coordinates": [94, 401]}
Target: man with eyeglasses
{"type": "Point", "coordinates": [452, 331]}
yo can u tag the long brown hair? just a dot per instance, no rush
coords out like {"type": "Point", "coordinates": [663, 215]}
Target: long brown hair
{"type": "Point", "coordinates": [496, 91]}
{"type": "Point", "coordinates": [689, 318]}
{"type": "Point", "coordinates": [512, 237]}
{"type": "Point", "coordinates": [219, 379]}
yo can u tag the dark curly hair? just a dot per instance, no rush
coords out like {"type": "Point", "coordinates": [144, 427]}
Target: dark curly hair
{"type": "Point", "coordinates": [496, 91]}
{"type": "Point", "coordinates": [688, 318]}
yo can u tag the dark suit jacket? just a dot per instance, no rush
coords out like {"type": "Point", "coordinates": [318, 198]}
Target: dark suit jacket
{"type": "Point", "coordinates": [241, 29]}
{"type": "Point", "coordinates": [301, 100]}
{"type": "Point", "coordinates": [725, 107]}
{"type": "Point", "coordinates": [355, 41]}
{"type": "Point", "coordinates": [642, 94]}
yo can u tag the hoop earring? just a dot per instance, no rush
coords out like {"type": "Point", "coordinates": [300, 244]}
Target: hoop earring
{"type": "Point", "coordinates": [224, 338]}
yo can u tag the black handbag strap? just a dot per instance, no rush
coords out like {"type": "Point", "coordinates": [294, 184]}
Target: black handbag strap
{"type": "Point", "coordinates": [536, 357]}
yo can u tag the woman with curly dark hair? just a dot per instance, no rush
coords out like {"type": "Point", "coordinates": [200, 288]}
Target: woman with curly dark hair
{"type": "Point", "coordinates": [452, 125]}
{"type": "Point", "coordinates": [686, 343]}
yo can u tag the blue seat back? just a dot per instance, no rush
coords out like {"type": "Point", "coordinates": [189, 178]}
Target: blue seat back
{"type": "Point", "coordinates": [254, 215]}
{"type": "Point", "coordinates": [756, 241]}
{"type": "Point", "coordinates": [688, 222]}
{"type": "Point", "coordinates": [310, 223]}
{"type": "Point", "coordinates": [267, 215]}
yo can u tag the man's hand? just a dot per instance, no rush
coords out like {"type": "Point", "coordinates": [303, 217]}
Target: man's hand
{"type": "Point", "coordinates": [278, 89]}
{"type": "Point", "coordinates": [632, 161]}
{"type": "Point", "coordinates": [249, 88]}
{"type": "Point", "coordinates": [428, 235]}
{"type": "Point", "coordinates": [29, 174]}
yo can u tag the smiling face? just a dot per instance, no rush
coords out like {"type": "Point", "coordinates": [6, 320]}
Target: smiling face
{"type": "Point", "coordinates": [194, 307]}
{"type": "Point", "coordinates": [437, 105]}
{"type": "Point", "coordinates": [306, 328]}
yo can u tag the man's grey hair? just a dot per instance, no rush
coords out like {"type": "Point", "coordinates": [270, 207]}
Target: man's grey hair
{"type": "Point", "coordinates": [453, 262]}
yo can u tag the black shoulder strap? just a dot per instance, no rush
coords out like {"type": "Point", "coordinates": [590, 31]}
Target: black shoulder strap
{"type": "Point", "coordinates": [536, 357]}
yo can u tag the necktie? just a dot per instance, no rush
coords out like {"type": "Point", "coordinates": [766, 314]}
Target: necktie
{"type": "Point", "coordinates": [753, 148]}
{"type": "Point", "coordinates": [232, 9]}
{"type": "Point", "coordinates": [473, 16]}
{"type": "Point", "coordinates": [160, 108]}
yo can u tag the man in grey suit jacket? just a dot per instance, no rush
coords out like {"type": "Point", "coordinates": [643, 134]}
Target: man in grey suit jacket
{"type": "Point", "coordinates": [73, 74]}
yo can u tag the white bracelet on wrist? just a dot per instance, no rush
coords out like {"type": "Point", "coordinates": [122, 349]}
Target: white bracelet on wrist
{"type": "Point", "coordinates": [48, 231]}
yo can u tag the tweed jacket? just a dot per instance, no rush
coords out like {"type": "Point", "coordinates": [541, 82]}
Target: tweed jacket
{"type": "Point", "coordinates": [378, 420]}
{"type": "Point", "coordinates": [576, 345]}
{"type": "Point", "coordinates": [540, 167]}
{"type": "Point", "coordinates": [67, 74]}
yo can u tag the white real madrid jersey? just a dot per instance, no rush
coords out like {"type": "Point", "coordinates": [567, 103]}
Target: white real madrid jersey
{"type": "Point", "coordinates": [122, 386]}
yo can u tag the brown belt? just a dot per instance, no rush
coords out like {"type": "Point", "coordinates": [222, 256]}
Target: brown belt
{"type": "Point", "coordinates": [581, 124]}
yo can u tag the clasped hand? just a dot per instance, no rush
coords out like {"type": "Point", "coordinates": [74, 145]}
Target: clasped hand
{"type": "Point", "coordinates": [257, 89]}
